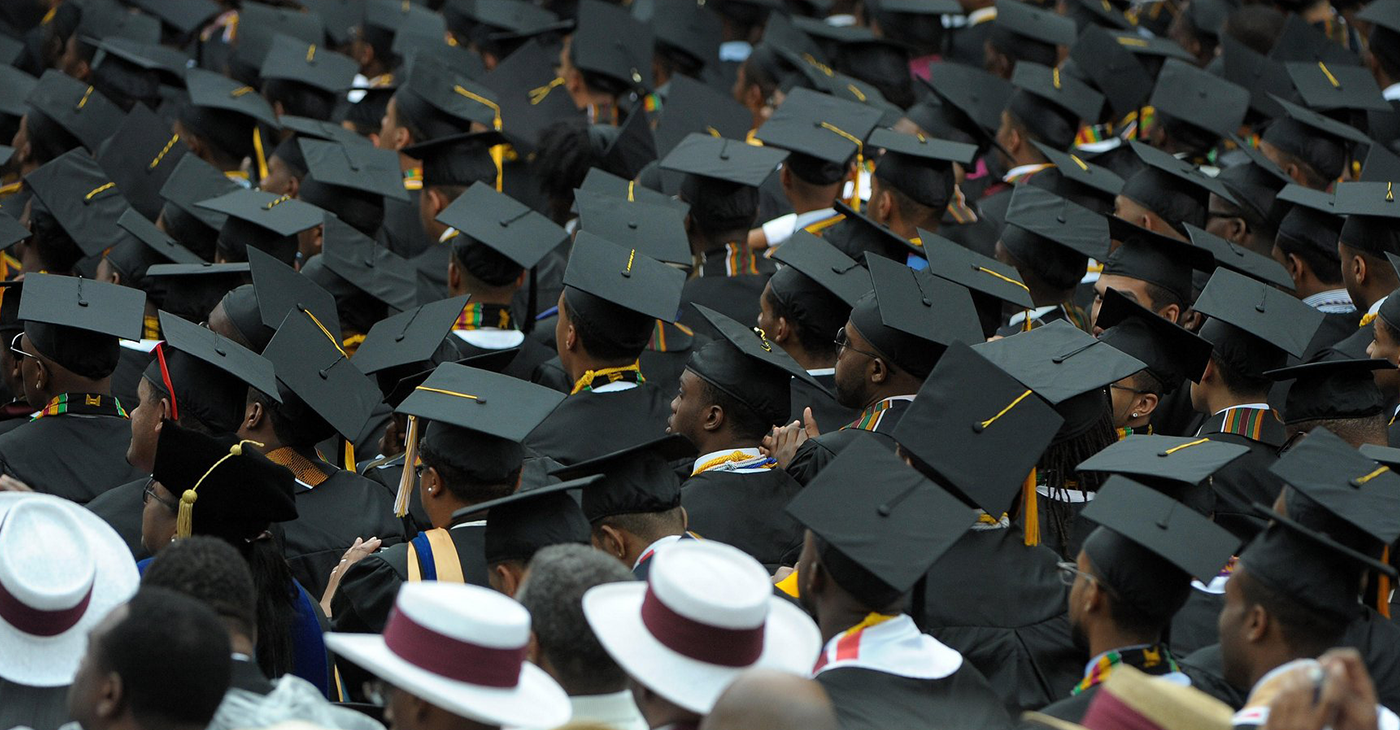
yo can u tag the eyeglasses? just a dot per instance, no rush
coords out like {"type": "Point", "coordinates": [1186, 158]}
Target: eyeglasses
{"type": "Point", "coordinates": [149, 493]}
{"type": "Point", "coordinates": [16, 349]}
{"type": "Point", "coordinates": [843, 342]}
{"type": "Point", "coordinates": [1069, 572]}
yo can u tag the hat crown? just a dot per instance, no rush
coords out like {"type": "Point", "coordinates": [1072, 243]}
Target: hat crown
{"type": "Point", "coordinates": [46, 562]}
{"type": "Point", "coordinates": [711, 583]}
{"type": "Point", "coordinates": [467, 613]}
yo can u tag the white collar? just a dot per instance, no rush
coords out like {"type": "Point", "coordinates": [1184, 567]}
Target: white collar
{"type": "Point", "coordinates": [491, 338]}
{"type": "Point", "coordinates": [1331, 301]}
{"type": "Point", "coordinates": [1035, 314]}
{"type": "Point", "coordinates": [895, 646]}
{"type": "Point", "coordinates": [615, 710]}
{"type": "Point", "coordinates": [1258, 406]}
{"type": "Point", "coordinates": [1020, 170]}
{"type": "Point", "coordinates": [982, 15]}
{"type": "Point", "coordinates": [737, 51]}
{"type": "Point", "coordinates": [663, 542]}
{"type": "Point", "coordinates": [1391, 93]}
{"type": "Point", "coordinates": [140, 345]}
{"type": "Point", "coordinates": [822, 371]}
{"type": "Point", "coordinates": [613, 387]}
{"type": "Point", "coordinates": [1377, 306]}
{"type": "Point", "coordinates": [812, 216]}
{"type": "Point", "coordinates": [473, 523]}
{"type": "Point", "coordinates": [447, 235]}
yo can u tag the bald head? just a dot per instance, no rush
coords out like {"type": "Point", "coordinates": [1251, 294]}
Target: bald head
{"type": "Point", "coordinates": [764, 699]}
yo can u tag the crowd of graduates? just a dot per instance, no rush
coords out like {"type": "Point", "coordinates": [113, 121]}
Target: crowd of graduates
{"type": "Point", "coordinates": [731, 364]}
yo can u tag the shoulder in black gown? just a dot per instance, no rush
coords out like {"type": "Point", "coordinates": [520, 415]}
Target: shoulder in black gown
{"type": "Point", "coordinates": [589, 424]}
{"type": "Point", "coordinates": [866, 699]}
{"type": "Point", "coordinates": [73, 456]}
{"type": "Point", "coordinates": [329, 518]}
{"type": "Point", "coordinates": [747, 511]}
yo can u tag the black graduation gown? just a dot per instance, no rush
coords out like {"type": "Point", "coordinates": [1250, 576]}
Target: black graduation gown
{"type": "Point", "coordinates": [387, 472]}
{"type": "Point", "coordinates": [735, 295]}
{"type": "Point", "coordinates": [1334, 329]}
{"type": "Point", "coordinates": [866, 699]}
{"type": "Point", "coordinates": [1068, 312]}
{"type": "Point", "coordinates": [825, 409]}
{"type": "Point", "coordinates": [1377, 637]}
{"type": "Point", "coordinates": [532, 354]}
{"type": "Point", "coordinates": [121, 508]}
{"type": "Point", "coordinates": [1196, 625]}
{"type": "Point", "coordinates": [589, 424]}
{"type": "Point", "coordinates": [1247, 479]}
{"type": "Point", "coordinates": [747, 511]}
{"type": "Point", "coordinates": [1000, 603]}
{"type": "Point", "coordinates": [816, 453]}
{"type": "Point", "coordinates": [69, 455]}
{"type": "Point", "coordinates": [329, 518]}
{"type": "Point", "coordinates": [130, 367]}
{"type": "Point", "coordinates": [661, 367]}
{"type": "Point", "coordinates": [1206, 672]}
{"type": "Point", "coordinates": [13, 415]}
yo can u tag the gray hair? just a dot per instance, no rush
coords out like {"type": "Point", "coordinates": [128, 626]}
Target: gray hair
{"type": "Point", "coordinates": [553, 591]}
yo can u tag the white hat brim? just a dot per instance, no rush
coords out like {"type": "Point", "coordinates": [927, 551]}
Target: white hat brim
{"type": "Point", "coordinates": [791, 643]}
{"type": "Point", "coordinates": [51, 661]}
{"type": "Point", "coordinates": [536, 701]}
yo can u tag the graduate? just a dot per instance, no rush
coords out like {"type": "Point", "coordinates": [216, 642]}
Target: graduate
{"type": "Point", "coordinates": [1049, 240]}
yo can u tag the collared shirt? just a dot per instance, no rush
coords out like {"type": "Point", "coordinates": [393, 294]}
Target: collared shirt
{"type": "Point", "coordinates": [780, 229]}
{"type": "Point", "coordinates": [1263, 406]}
{"type": "Point", "coordinates": [652, 548]}
{"type": "Point", "coordinates": [1332, 301]}
{"type": "Point", "coordinates": [818, 372]}
{"type": "Point", "coordinates": [735, 51]}
{"type": "Point", "coordinates": [1391, 93]}
{"type": "Point", "coordinates": [1035, 314]}
{"type": "Point", "coordinates": [1020, 171]}
{"type": "Point", "coordinates": [739, 461]}
{"type": "Point", "coordinates": [1375, 308]}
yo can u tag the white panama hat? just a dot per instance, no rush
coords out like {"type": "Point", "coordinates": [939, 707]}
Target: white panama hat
{"type": "Point", "coordinates": [62, 570]}
{"type": "Point", "coordinates": [706, 613]}
{"type": "Point", "coordinates": [462, 648]}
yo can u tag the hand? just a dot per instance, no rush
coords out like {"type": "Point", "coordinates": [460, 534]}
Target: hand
{"type": "Point", "coordinates": [781, 445]}
{"type": "Point", "coordinates": [357, 552]}
{"type": "Point", "coordinates": [1336, 693]}
{"type": "Point", "coordinates": [1357, 709]}
{"type": "Point", "coordinates": [11, 484]}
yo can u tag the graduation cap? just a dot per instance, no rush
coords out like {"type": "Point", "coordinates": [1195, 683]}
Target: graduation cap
{"type": "Point", "coordinates": [1164, 174]}
{"type": "Point", "coordinates": [259, 25]}
{"type": "Point", "coordinates": [194, 180]}
{"type": "Point", "coordinates": [444, 103]}
{"type": "Point", "coordinates": [1325, 87]}
{"type": "Point", "coordinates": [912, 316]}
{"type": "Point", "coordinates": [1253, 325]}
{"type": "Point", "coordinates": [1060, 361]}
{"type": "Point", "coordinates": [206, 376]}
{"type": "Point", "coordinates": [688, 28]}
{"type": "Point", "coordinates": [1063, 91]}
{"type": "Point", "coordinates": [498, 16]}
{"type": "Point", "coordinates": [493, 407]}
{"type": "Point", "coordinates": [600, 181]}
{"type": "Point", "coordinates": [636, 480]}
{"type": "Point", "coordinates": [1172, 352]}
{"type": "Point", "coordinates": [529, 94]}
{"type": "Point", "coordinates": [1242, 260]}
{"type": "Point", "coordinates": [1343, 483]}
{"type": "Point", "coordinates": [977, 428]}
{"type": "Point", "coordinates": [723, 159]}
{"type": "Point", "coordinates": [358, 167]}
{"type": "Point", "coordinates": [1311, 123]}
{"type": "Point", "coordinates": [693, 107]}
{"type": "Point", "coordinates": [458, 159]}
{"type": "Point", "coordinates": [193, 290]}
{"type": "Point", "coordinates": [1070, 165]}
{"type": "Point", "coordinates": [1381, 165]}
{"type": "Point", "coordinates": [17, 85]}
{"type": "Point", "coordinates": [531, 520]}
{"type": "Point", "coordinates": [263, 221]}
{"type": "Point", "coordinates": [78, 108]}
{"type": "Point", "coordinates": [409, 337]}
{"type": "Point", "coordinates": [745, 365]}
{"type": "Point", "coordinates": [631, 146]}
{"type": "Point", "coordinates": [369, 267]}
{"type": "Point", "coordinates": [236, 493]}
{"type": "Point", "coordinates": [280, 289]}
{"type": "Point", "coordinates": [1122, 78]}
{"type": "Point", "coordinates": [1318, 573]}
{"type": "Point", "coordinates": [11, 294]}
{"type": "Point", "coordinates": [393, 15]}
{"type": "Point", "coordinates": [1303, 42]}
{"type": "Point", "coordinates": [145, 245]}
{"type": "Point", "coordinates": [341, 18]}
{"type": "Point", "coordinates": [1263, 77]}
{"type": "Point", "coordinates": [1149, 256]}
{"type": "Point", "coordinates": [76, 322]}
{"type": "Point", "coordinates": [1179, 460]}
{"type": "Point", "coordinates": [101, 21]}
{"type": "Point", "coordinates": [973, 92]}
{"type": "Point", "coordinates": [990, 282]}
{"type": "Point", "coordinates": [84, 201]}
{"type": "Point", "coordinates": [11, 231]}
{"type": "Point", "coordinates": [823, 265]}
{"type": "Point", "coordinates": [655, 230]}
{"type": "Point", "coordinates": [919, 167]}
{"type": "Point", "coordinates": [1027, 22]}
{"type": "Point", "coordinates": [1152, 46]}
{"type": "Point", "coordinates": [1255, 183]}
{"type": "Point", "coordinates": [318, 129]}
{"type": "Point", "coordinates": [1371, 213]}
{"type": "Point", "coordinates": [140, 157]}
{"type": "Point", "coordinates": [183, 16]}
{"type": "Point", "coordinates": [622, 277]}
{"type": "Point", "coordinates": [1041, 224]}
{"type": "Point", "coordinates": [311, 364]}
{"type": "Point", "coordinates": [1189, 94]}
{"type": "Point", "coordinates": [822, 127]}
{"type": "Point", "coordinates": [609, 42]}
{"type": "Point", "coordinates": [1331, 387]}
{"type": "Point", "coordinates": [878, 541]}
{"type": "Point", "coordinates": [483, 215]}
{"type": "Point", "coordinates": [1148, 547]}
{"type": "Point", "coordinates": [293, 59]}
{"type": "Point", "coordinates": [216, 91]}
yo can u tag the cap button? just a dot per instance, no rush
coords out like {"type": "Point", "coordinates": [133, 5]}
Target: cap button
{"type": "Point", "coordinates": [632, 225]}
{"type": "Point", "coordinates": [977, 427]}
{"type": "Point", "coordinates": [504, 223]}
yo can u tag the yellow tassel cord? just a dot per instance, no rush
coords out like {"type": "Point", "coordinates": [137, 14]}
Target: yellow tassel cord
{"type": "Point", "coordinates": [184, 520]}
{"type": "Point", "coordinates": [539, 93]}
{"type": "Point", "coordinates": [1030, 510]}
{"type": "Point", "coordinates": [1003, 277]}
{"type": "Point", "coordinates": [590, 375]}
{"type": "Point", "coordinates": [498, 152]}
{"type": "Point", "coordinates": [261, 156]}
{"type": "Point", "coordinates": [860, 159]}
{"type": "Point", "coordinates": [349, 455]}
{"type": "Point", "coordinates": [98, 190]}
{"type": "Point", "coordinates": [410, 461]}
{"type": "Point", "coordinates": [165, 151]}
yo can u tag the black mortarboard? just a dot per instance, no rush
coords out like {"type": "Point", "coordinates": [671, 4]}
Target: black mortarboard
{"type": "Point", "coordinates": [102, 20]}
{"type": "Point", "coordinates": [424, 35]}
{"type": "Point", "coordinates": [723, 159]}
{"type": "Point", "coordinates": [1189, 94]}
{"type": "Point", "coordinates": [1060, 361]}
{"type": "Point", "coordinates": [17, 85]}
{"type": "Point", "coordinates": [1163, 170]}
{"type": "Point", "coordinates": [599, 181]}
{"type": "Point", "coordinates": [192, 181]}
{"type": "Point", "coordinates": [1313, 123]}
{"type": "Point", "coordinates": [819, 126]}
{"type": "Point", "coordinates": [1152, 46]}
{"type": "Point", "coordinates": [140, 157]}
{"type": "Point", "coordinates": [341, 17]}
{"type": "Point", "coordinates": [689, 28]}
{"type": "Point", "coordinates": [530, 520]}
{"type": "Point", "coordinates": [1039, 222]}
{"type": "Point", "coordinates": [912, 316]}
{"type": "Point", "coordinates": [744, 364]}
{"type": "Point", "coordinates": [1122, 78]}
{"type": "Point", "coordinates": [281, 289]}
{"type": "Point", "coordinates": [440, 102]}
{"type": "Point", "coordinates": [317, 129]}
{"type": "Point", "coordinates": [408, 338]}
{"type": "Point", "coordinates": [629, 147]}
{"type": "Point", "coordinates": [499, 407]}
{"type": "Point", "coordinates": [919, 167]}
{"type": "Point", "coordinates": [359, 167]}
{"type": "Point", "coordinates": [1062, 90]}
{"type": "Point", "coordinates": [11, 231]}
{"type": "Point", "coordinates": [1253, 325]}
{"type": "Point", "coordinates": [457, 159]}
{"type": "Point", "coordinates": [369, 267]}
{"type": "Point", "coordinates": [879, 541]}
{"type": "Point", "coordinates": [1034, 24]}
{"type": "Point", "coordinates": [1381, 165]}
{"type": "Point", "coordinates": [497, 16]}
{"type": "Point", "coordinates": [1262, 76]}
{"type": "Point", "coordinates": [83, 304]}
{"type": "Point", "coordinates": [858, 234]}
{"type": "Point", "coordinates": [216, 91]}
{"type": "Point", "coordinates": [259, 24]}
{"type": "Point", "coordinates": [1324, 86]}
{"type": "Point", "coordinates": [655, 230]}
{"type": "Point", "coordinates": [293, 59]}
{"type": "Point", "coordinates": [78, 108]}
{"type": "Point", "coordinates": [495, 219]}
{"type": "Point", "coordinates": [311, 364]}
{"type": "Point", "coordinates": [144, 246]}
{"type": "Point", "coordinates": [1255, 182]}
{"type": "Point", "coordinates": [695, 107]}
{"type": "Point", "coordinates": [184, 16]}
{"type": "Point", "coordinates": [1332, 388]}
{"type": "Point", "coordinates": [1344, 482]}
{"type": "Point", "coordinates": [1087, 174]}
{"type": "Point", "coordinates": [609, 42]}
{"type": "Point", "coordinates": [1240, 259]}
{"type": "Point", "coordinates": [11, 293]}
{"type": "Point", "coordinates": [530, 94]}
{"type": "Point", "coordinates": [977, 428]}
{"type": "Point", "coordinates": [1388, 455]}
{"type": "Point", "coordinates": [1312, 220]}
{"type": "Point", "coordinates": [86, 203]}
{"type": "Point", "coordinates": [825, 265]}
{"type": "Point", "coordinates": [1180, 460]}
{"type": "Point", "coordinates": [135, 57]}
{"type": "Point", "coordinates": [1148, 547]}
{"type": "Point", "coordinates": [622, 277]}
{"type": "Point", "coordinates": [1172, 353]}
{"type": "Point", "coordinates": [636, 480]}
{"type": "Point", "coordinates": [989, 281]}
{"type": "Point", "coordinates": [1314, 571]}
{"type": "Point", "coordinates": [263, 221]}
{"type": "Point", "coordinates": [206, 376]}
{"type": "Point", "coordinates": [192, 291]}
{"type": "Point", "coordinates": [1371, 213]}
{"type": "Point", "coordinates": [228, 489]}
{"type": "Point", "coordinates": [391, 15]}
{"type": "Point", "coordinates": [979, 95]}
{"type": "Point", "coordinates": [1149, 256]}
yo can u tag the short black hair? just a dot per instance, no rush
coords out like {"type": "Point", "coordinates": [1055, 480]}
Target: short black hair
{"type": "Point", "coordinates": [648, 526]}
{"type": "Point", "coordinates": [595, 338]}
{"type": "Point", "coordinates": [293, 422]}
{"type": "Point", "coordinates": [1326, 265]}
{"type": "Point", "coordinates": [1144, 381]}
{"type": "Point", "coordinates": [300, 99]}
{"type": "Point", "coordinates": [212, 571]}
{"type": "Point", "coordinates": [719, 206]}
{"type": "Point", "coordinates": [1163, 297]}
{"type": "Point", "coordinates": [458, 472]}
{"type": "Point", "coordinates": [172, 654]}
{"type": "Point", "coordinates": [1307, 632]}
{"type": "Point", "coordinates": [815, 342]}
{"type": "Point", "coordinates": [1126, 617]}
{"type": "Point", "coordinates": [744, 422]}
{"type": "Point", "coordinates": [57, 250]}
{"type": "Point", "coordinates": [1237, 381]}
{"type": "Point", "coordinates": [483, 263]}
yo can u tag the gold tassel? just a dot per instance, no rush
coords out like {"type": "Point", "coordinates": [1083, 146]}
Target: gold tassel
{"type": "Point", "coordinates": [261, 156]}
{"type": "Point", "coordinates": [410, 459]}
{"type": "Point", "coordinates": [184, 519]}
{"type": "Point", "coordinates": [1030, 510]}
{"type": "Point", "coordinates": [349, 455]}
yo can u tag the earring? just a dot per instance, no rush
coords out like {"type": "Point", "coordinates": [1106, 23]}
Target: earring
{"type": "Point", "coordinates": [1135, 414]}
